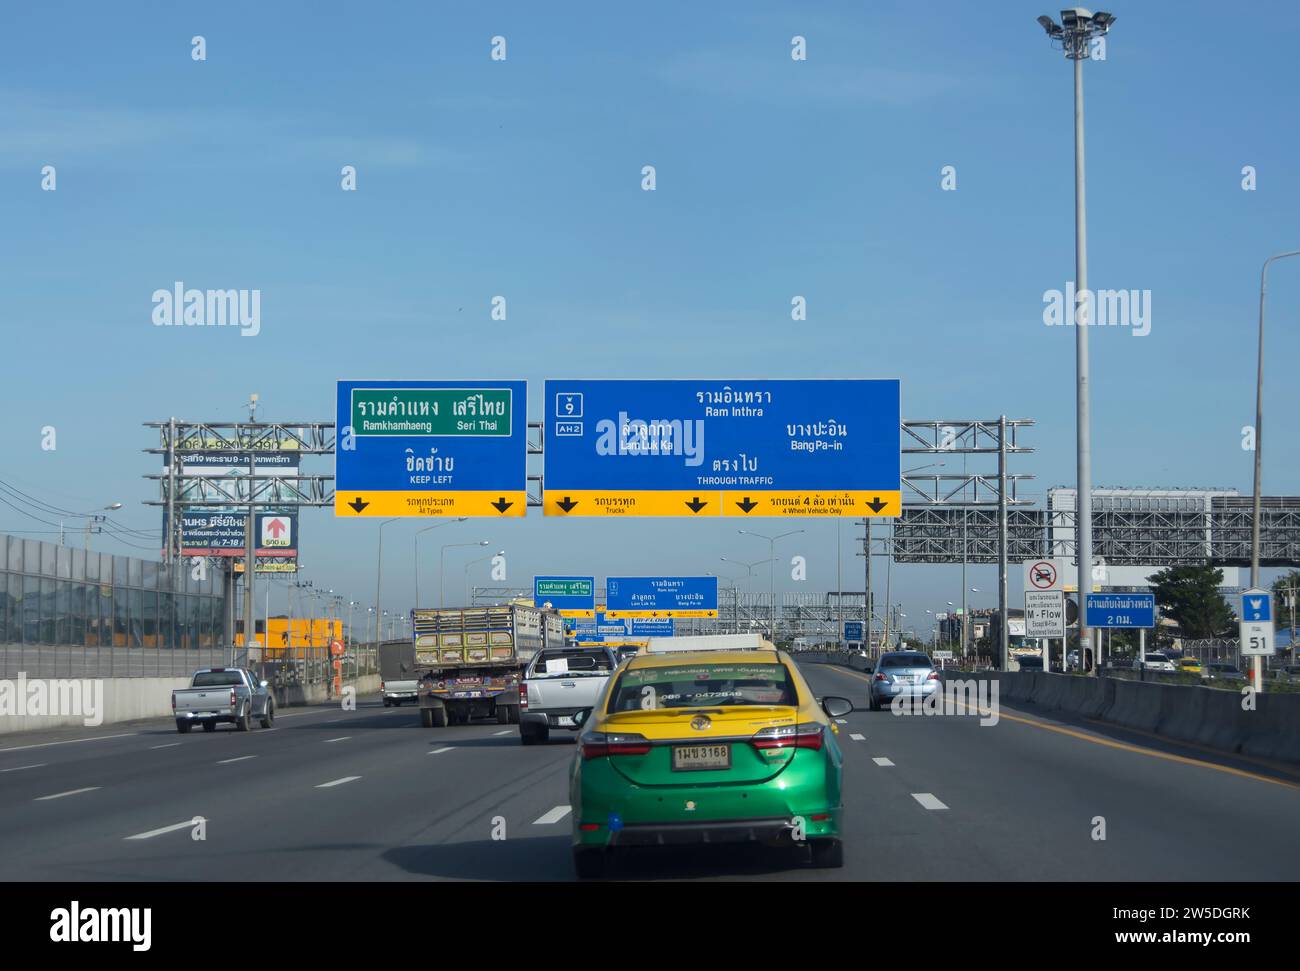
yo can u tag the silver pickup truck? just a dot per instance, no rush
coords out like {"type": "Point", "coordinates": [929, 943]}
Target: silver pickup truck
{"type": "Point", "coordinates": [223, 695]}
{"type": "Point", "coordinates": [558, 683]}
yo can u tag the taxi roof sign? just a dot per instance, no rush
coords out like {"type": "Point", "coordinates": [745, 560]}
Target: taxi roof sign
{"type": "Point", "coordinates": [709, 642]}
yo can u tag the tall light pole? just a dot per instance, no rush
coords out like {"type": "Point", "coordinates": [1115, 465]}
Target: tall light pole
{"type": "Point", "coordinates": [471, 563]}
{"type": "Point", "coordinates": [416, 544]}
{"type": "Point", "coordinates": [379, 576]}
{"type": "Point", "coordinates": [1079, 27]}
{"type": "Point", "coordinates": [1259, 446]}
{"type": "Point", "coordinates": [94, 516]}
{"type": "Point", "coordinates": [442, 586]}
{"type": "Point", "coordinates": [771, 545]}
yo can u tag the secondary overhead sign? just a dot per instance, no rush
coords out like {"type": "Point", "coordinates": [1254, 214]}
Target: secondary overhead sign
{"type": "Point", "coordinates": [431, 448]}
{"type": "Point", "coordinates": [715, 448]}
{"type": "Point", "coordinates": [571, 596]}
{"type": "Point", "coordinates": [661, 597]}
{"type": "Point", "coordinates": [1120, 610]}
{"type": "Point", "coordinates": [1044, 613]}
{"type": "Point", "coordinates": [1256, 626]}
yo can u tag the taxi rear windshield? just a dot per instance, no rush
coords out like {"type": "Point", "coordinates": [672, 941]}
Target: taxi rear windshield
{"type": "Point", "coordinates": [702, 686]}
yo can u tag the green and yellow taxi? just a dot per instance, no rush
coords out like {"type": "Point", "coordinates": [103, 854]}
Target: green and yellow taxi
{"type": "Point", "coordinates": [1191, 665]}
{"type": "Point", "coordinates": [707, 740]}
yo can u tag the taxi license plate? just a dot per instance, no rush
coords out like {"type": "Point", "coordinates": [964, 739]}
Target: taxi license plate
{"type": "Point", "coordinates": [687, 758]}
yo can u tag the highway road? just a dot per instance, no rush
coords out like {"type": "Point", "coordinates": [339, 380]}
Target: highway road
{"type": "Point", "coordinates": [370, 795]}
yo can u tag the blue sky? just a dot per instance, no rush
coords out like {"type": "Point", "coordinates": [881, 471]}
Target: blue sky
{"type": "Point", "coordinates": [522, 178]}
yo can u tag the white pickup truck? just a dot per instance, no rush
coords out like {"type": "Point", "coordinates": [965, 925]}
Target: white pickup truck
{"type": "Point", "coordinates": [223, 695]}
{"type": "Point", "coordinates": [558, 683]}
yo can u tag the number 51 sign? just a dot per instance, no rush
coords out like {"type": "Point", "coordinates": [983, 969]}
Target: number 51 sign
{"type": "Point", "coordinates": [1256, 628]}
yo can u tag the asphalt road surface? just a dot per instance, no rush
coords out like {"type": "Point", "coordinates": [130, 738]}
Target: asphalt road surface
{"type": "Point", "coordinates": [370, 795]}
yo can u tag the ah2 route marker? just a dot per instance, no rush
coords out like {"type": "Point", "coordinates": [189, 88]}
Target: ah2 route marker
{"type": "Point", "coordinates": [431, 448]}
{"type": "Point", "coordinates": [715, 448]}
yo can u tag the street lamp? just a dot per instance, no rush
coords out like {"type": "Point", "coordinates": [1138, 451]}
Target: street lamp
{"type": "Point", "coordinates": [442, 562]}
{"type": "Point", "coordinates": [771, 545]}
{"type": "Point", "coordinates": [91, 517]}
{"type": "Point", "coordinates": [415, 542]}
{"type": "Point", "coordinates": [1259, 436]}
{"type": "Point", "coordinates": [474, 562]}
{"type": "Point", "coordinates": [379, 575]}
{"type": "Point", "coordinates": [1076, 32]}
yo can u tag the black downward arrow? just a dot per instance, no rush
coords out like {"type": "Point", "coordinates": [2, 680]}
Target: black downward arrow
{"type": "Point", "coordinates": [567, 504]}
{"type": "Point", "coordinates": [747, 505]}
{"type": "Point", "coordinates": [501, 504]}
{"type": "Point", "coordinates": [357, 504]}
{"type": "Point", "coordinates": [695, 504]}
{"type": "Point", "coordinates": [875, 505]}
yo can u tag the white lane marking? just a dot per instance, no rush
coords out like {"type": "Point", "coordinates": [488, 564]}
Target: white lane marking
{"type": "Point", "coordinates": [338, 782]}
{"type": "Point", "coordinates": [70, 792]}
{"type": "Point", "coordinates": [168, 745]}
{"type": "Point", "coordinates": [341, 738]}
{"type": "Point", "coordinates": [438, 751]}
{"type": "Point", "coordinates": [97, 738]}
{"type": "Point", "coordinates": [883, 762]}
{"type": "Point", "coordinates": [856, 737]}
{"type": "Point", "coordinates": [331, 721]}
{"type": "Point", "coordinates": [19, 768]}
{"type": "Point", "coordinates": [554, 816]}
{"type": "Point", "coordinates": [236, 759]}
{"type": "Point", "coordinates": [499, 734]}
{"type": "Point", "coordinates": [928, 800]}
{"type": "Point", "coordinates": [158, 832]}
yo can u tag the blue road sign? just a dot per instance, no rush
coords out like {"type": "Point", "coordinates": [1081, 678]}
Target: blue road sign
{"type": "Point", "coordinates": [853, 630]}
{"type": "Point", "coordinates": [653, 627]}
{"type": "Point", "coordinates": [431, 448]}
{"type": "Point", "coordinates": [1120, 610]}
{"type": "Point", "coordinates": [661, 597]}
{"type": "Point", "coordinates": [713, 448]}
{"type": "Point", "coordinates": [571, 596]}
{"type": "Point", "coordinates": [1257, 607]}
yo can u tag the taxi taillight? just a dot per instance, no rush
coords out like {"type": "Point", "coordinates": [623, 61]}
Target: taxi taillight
{"type": "Point", "coordinates": [601, 744]}
{"type": "Point", "coordinates": [806, 735]}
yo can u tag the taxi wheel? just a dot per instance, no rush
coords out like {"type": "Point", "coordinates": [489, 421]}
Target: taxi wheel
{"type": "Point", "coordinates": [514, 714]}
{"type": "Point", "coordinates": [589, 862]}
{"type": "Point", "coordinates": [827, 853]}
{"type": "Point", "coordinates": [503, 714]}
{"type": "Point", "coordinates": [439, 717]}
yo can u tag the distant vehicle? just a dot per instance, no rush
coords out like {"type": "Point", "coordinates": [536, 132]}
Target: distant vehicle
{"type": "Point", "coordinates": [470, 660]}
{"type": "Point", "coordinates": [902, 674]}
{"type": "Point", "coordinates": [1189, 665]}
{"type": "Point", "coordinates": [557, 685]}
{"type": "Point", "coordinates": [1222, 669]}
{"type": "Point", "coordinates": [1152, 661]}
{"type": "Point", "coordinates": [708, 744]}
{"type": "Point", "coordinates": [395, 692]}
{"type": "Point", "coordinates": [218, 695]}
{"type": "Point", "coordinates": [1030, 663]}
